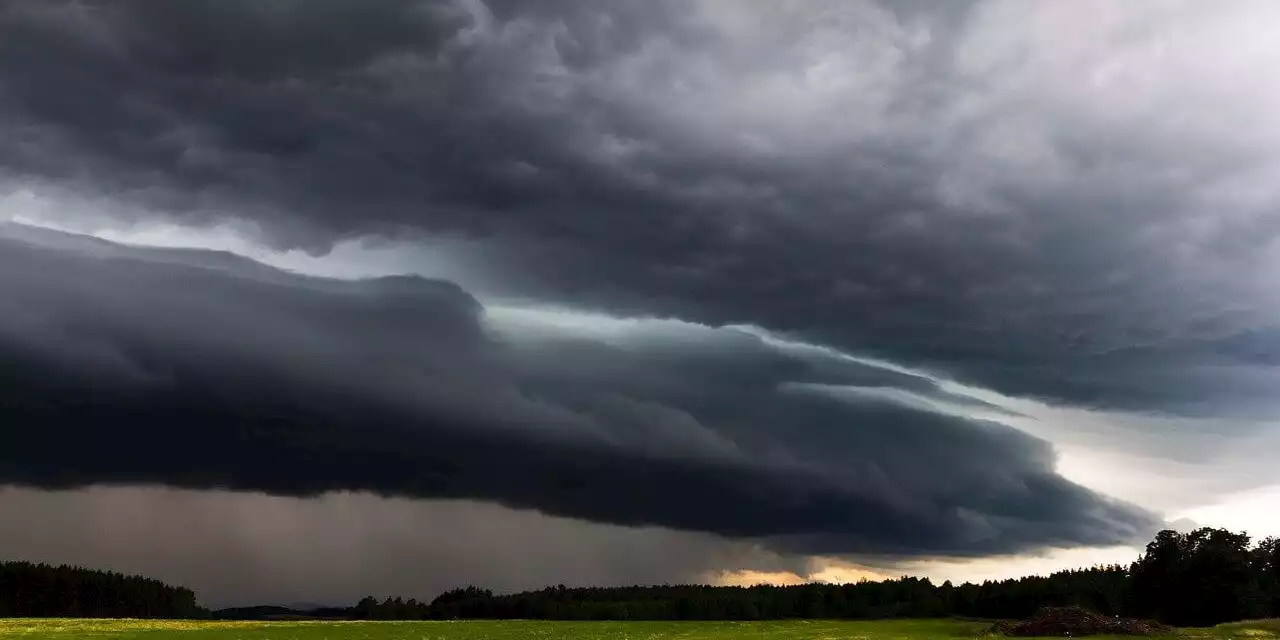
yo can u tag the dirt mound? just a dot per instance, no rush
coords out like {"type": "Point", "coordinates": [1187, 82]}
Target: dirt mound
{"type": "Point", "coordinates": [1074, 621]}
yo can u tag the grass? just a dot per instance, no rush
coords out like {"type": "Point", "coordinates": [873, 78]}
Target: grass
{"type": "Point", "coordinates": [535, 630]}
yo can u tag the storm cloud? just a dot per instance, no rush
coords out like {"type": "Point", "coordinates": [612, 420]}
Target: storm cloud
{"type": "Point", "coordinates": [1065, 203]}
{"type": "Point", "coordinates": [191, 369]}
{"type": "Point", "coordinates": [850, 278]}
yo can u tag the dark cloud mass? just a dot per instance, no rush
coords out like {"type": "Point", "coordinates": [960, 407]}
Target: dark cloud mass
{"type": "Point", "coordinates": [1078, 214]}
{"type": "Point", "coordinates": [189, 369]}
{"type": "Point", "coordinates": [751, 272]}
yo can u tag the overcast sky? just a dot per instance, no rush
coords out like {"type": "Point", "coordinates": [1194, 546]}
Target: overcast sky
{"type": "Point", "coordinates": [389, 297]}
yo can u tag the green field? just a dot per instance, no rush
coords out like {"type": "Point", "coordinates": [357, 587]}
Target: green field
{"type": "Point", "coordinates": [486, 630]}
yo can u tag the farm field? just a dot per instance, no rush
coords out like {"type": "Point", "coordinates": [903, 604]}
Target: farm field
{"type": "Point", "coordinates": [527, 630]}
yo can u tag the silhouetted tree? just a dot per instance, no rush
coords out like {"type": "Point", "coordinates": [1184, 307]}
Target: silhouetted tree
{"type": "Point", "coordinates": [46, 591]}
{"type": "Point", "coordinates": [1199, 578]}
{"type": "Point", "coordinates": [1266, 569]}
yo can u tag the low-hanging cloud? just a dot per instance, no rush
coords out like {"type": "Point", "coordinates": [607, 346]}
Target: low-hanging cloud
{"type": "Point", "coordinates": [125, 365]}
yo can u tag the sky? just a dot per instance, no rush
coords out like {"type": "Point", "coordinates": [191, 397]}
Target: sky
{"type": "Point", "coordinates": [306, 301]}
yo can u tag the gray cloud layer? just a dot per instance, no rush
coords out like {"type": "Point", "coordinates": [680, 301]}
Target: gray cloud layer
{"type": "Point", "coordinates": [1080, 212]}
{"type": "Point", "coordinates": [201, 370]}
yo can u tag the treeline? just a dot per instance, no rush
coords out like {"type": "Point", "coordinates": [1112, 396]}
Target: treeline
{"type": "Point", "coordinates": [1200, 578]}
{"type": "Point", "coordinates": [46, 591]}
{"type": "Point", "coordinates": [1102, 589]}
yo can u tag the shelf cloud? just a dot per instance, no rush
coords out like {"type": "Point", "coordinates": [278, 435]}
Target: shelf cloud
{"type": "Point", "coordinates": [856, 279]}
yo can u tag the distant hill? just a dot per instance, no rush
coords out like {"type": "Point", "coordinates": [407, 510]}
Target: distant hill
{"type": "Point", "coordinates": [305, 606]}
{"type": "Point", "coordinates": [277, 612]}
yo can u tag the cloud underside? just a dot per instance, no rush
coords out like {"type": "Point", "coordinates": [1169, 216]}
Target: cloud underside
{"type": "Point", "coordinates": [199, 370]}
{"type": "Point", "coordinates": [1055, 212]}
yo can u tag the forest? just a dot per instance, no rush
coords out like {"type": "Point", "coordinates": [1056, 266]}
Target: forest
{"type": "Point", "coordinates": [44, 591]}
{"type": "Point", "coordinates": [1199, 578]}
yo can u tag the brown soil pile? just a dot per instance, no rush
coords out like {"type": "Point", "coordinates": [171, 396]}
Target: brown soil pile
{"type": "Point", "coordinates": [1074, 621]}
